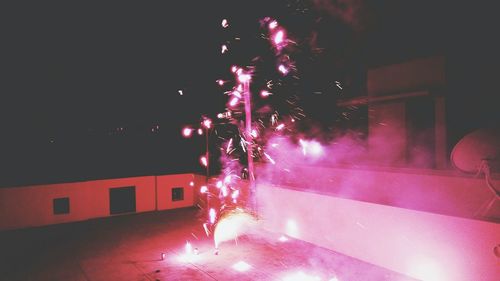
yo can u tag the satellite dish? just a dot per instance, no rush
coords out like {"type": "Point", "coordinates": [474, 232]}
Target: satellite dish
{"type": "Point", "coordinates": [477, 148]}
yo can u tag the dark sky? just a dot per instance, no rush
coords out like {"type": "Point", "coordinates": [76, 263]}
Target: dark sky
{"type": "Point", "coordinates": [74, 73]}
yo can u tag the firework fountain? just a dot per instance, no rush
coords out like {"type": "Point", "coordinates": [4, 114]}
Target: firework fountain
{"type": "Point", "coordinates": [230, 200]}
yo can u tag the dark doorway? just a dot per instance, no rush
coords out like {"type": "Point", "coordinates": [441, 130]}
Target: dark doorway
{"type": "Point", "coordinates": [122, 200]}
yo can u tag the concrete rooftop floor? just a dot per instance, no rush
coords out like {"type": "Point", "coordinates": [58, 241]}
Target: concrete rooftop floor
{"type": "Point", "coordinates": [129, 247]}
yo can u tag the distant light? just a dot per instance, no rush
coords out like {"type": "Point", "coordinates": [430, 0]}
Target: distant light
{"type": "Point", "coordinates": [220, 82]}
{"type": "Point", "coordinates": [241, 266]}
{"type": "Point", "coordinates": [200, 132]}
{"type": "Point", "coordinates": [191, 183]}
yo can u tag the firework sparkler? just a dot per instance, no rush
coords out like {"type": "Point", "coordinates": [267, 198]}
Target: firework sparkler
{"type": "Point", "coordinates": [230, 203]}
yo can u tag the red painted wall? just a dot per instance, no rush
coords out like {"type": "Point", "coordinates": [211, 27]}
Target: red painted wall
{"type": "Point", "coordinates": [33, 205]}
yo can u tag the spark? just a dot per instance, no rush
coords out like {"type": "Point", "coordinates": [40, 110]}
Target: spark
{"type": "Point", "coordinates": [254, 133]}
{"type": "Point", "coordinates": [207, 123]}
{"type": "Point", "coordinates": [205, 227]}
{"type": "Point", "coordinates": [224, 49]}
{"type": "Point", "coordinates": [212, 215]}
{"type": "Point", "coordinates": [218, 184]}
{"type": "Point", "coordinates": [273, 24]}
{"type": "Point", "coordinates": [204, 161]}
{"type": "Point", "coordinates": [225, 23]}
{"type": "Point", "coordinates": [187, 132]}
{"type": "Point", "coordinates": [274, 119]}
{"type": "Point", "coordinates": [234, 69]}
{"type": "Point", "coordinates": [337, 83]}
{"type": "Point", "coordinates": [265, 93]}
{"type": "Point", "coordinates": [239, 88]}
{"type": "Point", "coordinates": [269, 158]}
{"type": "Point", "coordinates": [191, 183]}
{"type": "Point", "coordinates": [220, 82]}
{"type": "Point", "coordinates": [243, 145]}
{"type": "Point", "coordinates": [279, 37]}
{"type": "Point", "coordinates": [280, 127]}
{"type": "Point", "coordinates": [200, 132]}
{"type": "Point", "coordinates": [283, 69]}
{"type": "Point", "coordinates": [234, 101]}
{"type": "Point", "coordinates": [180, 92]}
{"type": "Point", "coordinates": [229, 145]}
{"type": "Point", "coordinates": [235, 194]}
{"type": "Point", "coordinates": [224, 191]}
{"type": "Point", "coordinates": [203, 189]}
{"type": "Point", "coordinates": [244, 77]}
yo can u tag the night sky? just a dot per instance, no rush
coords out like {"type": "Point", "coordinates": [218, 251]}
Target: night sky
{"type": "Point", "coordinates": [75, 74]}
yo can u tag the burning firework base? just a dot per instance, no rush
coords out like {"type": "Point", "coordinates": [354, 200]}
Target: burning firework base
{"type": "Point", "coordinates": [246, 251]}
